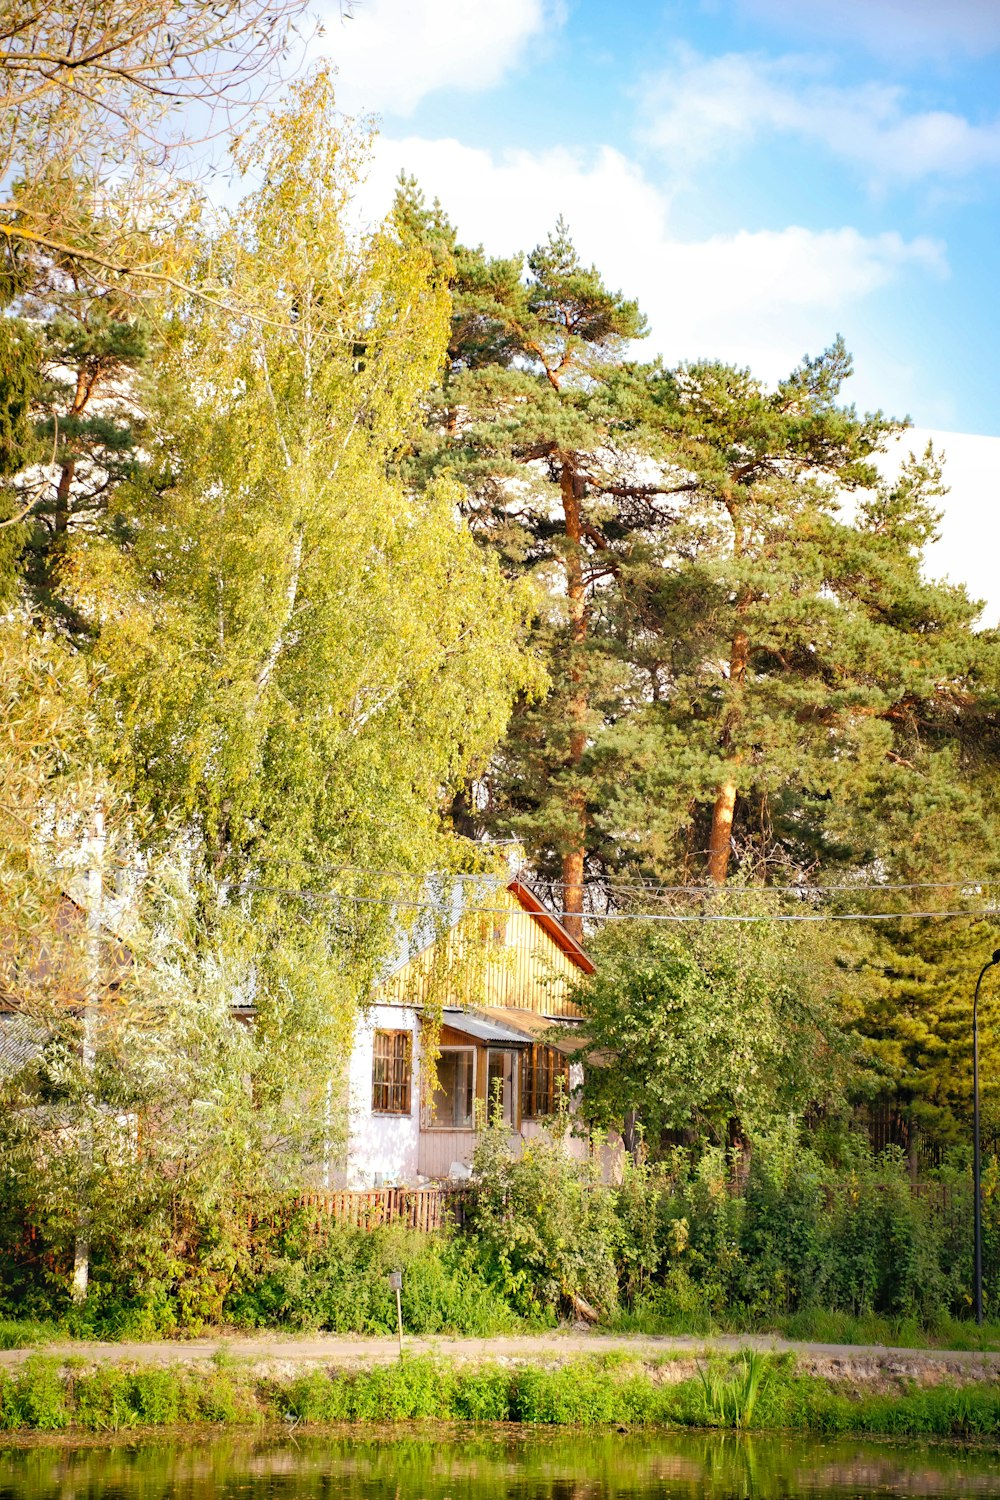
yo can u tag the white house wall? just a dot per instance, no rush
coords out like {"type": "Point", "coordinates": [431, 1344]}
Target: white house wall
{"type": "Point", "coordinates": [379, 1145]}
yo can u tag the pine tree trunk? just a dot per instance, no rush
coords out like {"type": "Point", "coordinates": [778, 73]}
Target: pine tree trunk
{"type": "Point", "coordinates": [572, 895]}
{"type": "Point", "coordinates": [61, 518]}
{"type": "Point", "coordinates": [720, 840]}
{"type": "Point", "coordinates": [571, 488]}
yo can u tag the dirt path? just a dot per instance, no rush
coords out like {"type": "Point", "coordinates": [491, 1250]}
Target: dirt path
{"type": "Point", "coordinates": [843, 1361]}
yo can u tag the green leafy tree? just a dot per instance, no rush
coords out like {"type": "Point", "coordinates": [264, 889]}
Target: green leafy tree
{"type": "Point", "coordinates": [712, 1028]}
{"type": "Point", "coordinates": [304, 658]}
{"type": "Point", "coordinates": [94, 93]}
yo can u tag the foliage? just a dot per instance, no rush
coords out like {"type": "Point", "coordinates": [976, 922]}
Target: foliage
{"type": "Point", "coordinates": [689, 1028]}
{"type": "Point", "coordinates": [545, 1232]}
{"type": "Point", "coordinates": [920, 979]}
{"type": "Point", "coordinates": [270, 658]}
{"type": "Point", "coordinates": [731, 1395]}
{"type": "Point", "coordinates": [747, 1390]}
{"type": "Point", "coordinates": [106, 94]}
{"type": "Point", "coordinates": [341, 1284]}
{"type": "Point", "coordinates": [738, 657]}
{"type": "Point", "coordinates": [303, 667]}
{"type": "Point", "coordinates": [25, 1333]}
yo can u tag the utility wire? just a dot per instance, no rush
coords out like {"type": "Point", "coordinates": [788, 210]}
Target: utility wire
{"type": "Point", "coordinates": [648, 887]}
{"type": "Point", "coordinates": [402, 902]}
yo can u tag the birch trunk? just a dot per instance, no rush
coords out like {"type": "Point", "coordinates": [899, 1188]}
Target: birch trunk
{"type": "Point", "coordinates": [91, 1001]}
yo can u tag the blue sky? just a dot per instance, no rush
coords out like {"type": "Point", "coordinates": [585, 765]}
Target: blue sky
{"type": "Point", "coordinates": [761, 174]}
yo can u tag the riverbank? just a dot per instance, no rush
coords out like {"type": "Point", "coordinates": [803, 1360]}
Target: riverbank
{"type": "Point", "coordinates": [622, 1383]}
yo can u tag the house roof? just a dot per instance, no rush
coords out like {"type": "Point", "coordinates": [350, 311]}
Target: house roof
{"type": "Point", "coordinates": [552, 1031]}
{"type": "Point", "coordinates": [483, 1028]}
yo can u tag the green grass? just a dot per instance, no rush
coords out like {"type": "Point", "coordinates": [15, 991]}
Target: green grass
{"type": "Point", "coordinates": [728, 1392]}
{"type": "Point", "coordinates": [27, 1333]}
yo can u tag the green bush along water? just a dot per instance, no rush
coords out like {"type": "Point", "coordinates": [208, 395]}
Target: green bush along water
{"type": "Point", "coordinates": [728, 1393]}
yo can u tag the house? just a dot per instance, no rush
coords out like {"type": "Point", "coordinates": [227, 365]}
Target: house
{"type": "Point", "coordinates": [485, 995]}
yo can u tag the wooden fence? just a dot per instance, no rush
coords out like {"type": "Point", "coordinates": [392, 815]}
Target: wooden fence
{"type": "Point", "coordinates": [432, 1208]}
{"type": "Point", "coordinates": [426, 1209]}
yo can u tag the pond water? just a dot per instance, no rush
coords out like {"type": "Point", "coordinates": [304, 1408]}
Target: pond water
{"type": "Point", "coordinates": [497, 1465]}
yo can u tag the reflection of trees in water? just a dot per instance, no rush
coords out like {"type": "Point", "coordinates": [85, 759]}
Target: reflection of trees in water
{"type": "Point", "coordinates": [494, 1464]}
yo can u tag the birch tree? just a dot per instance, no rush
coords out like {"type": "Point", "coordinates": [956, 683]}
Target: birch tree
{"type": "Point", "coordinates": [305, 658]}
{"type": "Point", "coordinates": [100, 97]}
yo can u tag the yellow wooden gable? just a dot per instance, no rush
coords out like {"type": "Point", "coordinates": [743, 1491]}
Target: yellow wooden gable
{"type": "Point", "coordinates": [513, 954]}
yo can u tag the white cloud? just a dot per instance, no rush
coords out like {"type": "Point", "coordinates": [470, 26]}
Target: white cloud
{"type": "Point", "coordinates": [392, 53]}
{"type": "Point", "coordinates": [900, 28]}
{"type": "Point", "coordinates": [701, 106]}
{"type": "Point", "coordinates": [969, 539]}
{"type": "Point", "coordinates": [758, 298]}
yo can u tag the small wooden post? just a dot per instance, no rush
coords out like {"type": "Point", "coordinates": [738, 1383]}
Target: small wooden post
{"type": "Point", "coordinates": [396, 1282]}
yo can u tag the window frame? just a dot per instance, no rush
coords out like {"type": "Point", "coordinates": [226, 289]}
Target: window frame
{"type": "Point", "coordinates": [395, 1087]}
{"type": "Point", "coordinates": [431, 1120]}
{"type": "Point", "coordinates": [539, 1103]}
{"type": "Point", "coordinates": [514, 1053]}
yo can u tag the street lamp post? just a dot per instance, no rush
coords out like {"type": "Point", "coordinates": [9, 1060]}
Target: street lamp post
{"type": "Point", "coordinates": [977, 1185]}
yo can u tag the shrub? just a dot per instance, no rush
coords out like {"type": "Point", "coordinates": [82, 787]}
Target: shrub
{"type": "Point", "coordinates": [545, 1230]}
{"type": "Point", "coordinates": [341, 1284]}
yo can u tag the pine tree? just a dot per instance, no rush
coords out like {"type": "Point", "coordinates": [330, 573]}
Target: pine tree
{"type": "Point", "coordinates": [743, 650]}
{"type": "Point", "coordinates": [545, 422]}
{"type": "Point", "coordinates": [811, 695]}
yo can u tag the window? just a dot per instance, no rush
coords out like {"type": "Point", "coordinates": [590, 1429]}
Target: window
{"type": "Point", "coordinates": [454, 1094]}
{"type": "Point", "coordinates": [501, 1082]}
{"type": "Point", "coordinates": [544, 1081]}
{"type": "Point", "coordinates": [391, 1073]}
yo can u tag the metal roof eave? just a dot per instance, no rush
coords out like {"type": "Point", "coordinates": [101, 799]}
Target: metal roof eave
{"type": "Point", "coordinates": [481, 1029]}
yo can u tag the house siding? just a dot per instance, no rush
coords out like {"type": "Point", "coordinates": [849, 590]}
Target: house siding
{"type": "Point", "coordinates": [475, 965]}
{"type": "Point", "coordinates": [506, 960]}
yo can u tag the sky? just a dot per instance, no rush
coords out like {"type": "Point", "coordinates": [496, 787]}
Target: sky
{"type": "Point", "coordinates": [761, 174]}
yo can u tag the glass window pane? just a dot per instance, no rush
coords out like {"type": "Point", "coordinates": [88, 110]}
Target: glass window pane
{"type": "Point", "coordinates": [453, 1097]}
{"type": "Point", "coordinates": [501, 1071]}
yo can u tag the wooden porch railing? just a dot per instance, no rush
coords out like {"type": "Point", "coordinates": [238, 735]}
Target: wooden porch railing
{"type": "Point", "coordinates": [426, 1209]}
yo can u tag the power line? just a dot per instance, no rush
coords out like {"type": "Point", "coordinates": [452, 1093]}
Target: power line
{"type": "Point", "coordinates": [401, 902]}
{"type": "Point", "coordinates": [597, 883]}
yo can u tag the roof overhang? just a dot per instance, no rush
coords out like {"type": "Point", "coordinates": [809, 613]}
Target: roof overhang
{"type": "Point", "coordinates": [563, 1034]}
{"type": "Point", "coordinates": [482, 1028]}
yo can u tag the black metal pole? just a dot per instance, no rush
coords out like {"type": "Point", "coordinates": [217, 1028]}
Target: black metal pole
{"type": "Point", "coordinates": [977, 1184]}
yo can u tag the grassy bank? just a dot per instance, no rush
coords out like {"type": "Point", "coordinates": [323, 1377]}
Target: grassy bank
{"type": "Point", "coordinates": [743, 1391]}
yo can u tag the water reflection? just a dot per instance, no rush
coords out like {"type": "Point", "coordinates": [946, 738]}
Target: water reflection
{"type": "Point", "coordinates": [493, 1465]}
